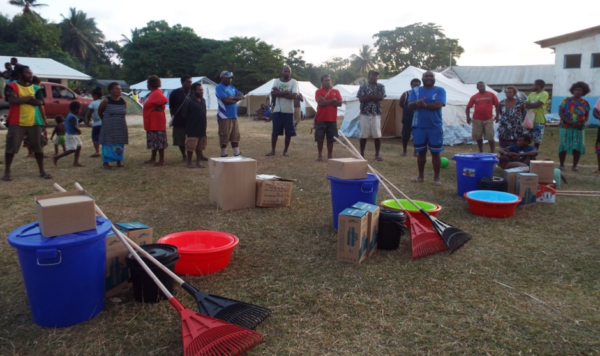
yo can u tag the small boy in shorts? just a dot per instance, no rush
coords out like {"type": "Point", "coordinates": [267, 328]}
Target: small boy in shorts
{"type": "Point", "coordinates": [72, 139]}
{"type": "Point", "coordinates": [59, 132]}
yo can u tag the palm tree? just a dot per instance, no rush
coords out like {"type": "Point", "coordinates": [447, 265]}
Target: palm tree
{"type": "Point", "coordinates": [80, 37]}
{"type": "Point", "coordinates": [363, 61]}
{"type": "Point", "coordinates": [26, 5]}
{"type": "Point", "coordinates": [126, 40]}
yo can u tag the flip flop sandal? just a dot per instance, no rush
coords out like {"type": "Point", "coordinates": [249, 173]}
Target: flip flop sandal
{"type": "Point", "coordinates": [417, 180]}
{"type": "Point", "coordinates": [379, 159]}
{"type": "Point", "coordinates": [270, 154]}
{"type": "Point", "coordinates": [46, 176]}
{"type": "Point", "coordinates": [6, 178]}
{"type": "Point", "coordinates": [225, 155]}
{"type": "Point", "coordinates": [437, 183]}
{"type": "Point", "coordinates": [596, 171]}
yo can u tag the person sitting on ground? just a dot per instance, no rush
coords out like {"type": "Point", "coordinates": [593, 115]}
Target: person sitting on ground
{"type": "Point", "coordinates": [505, 163]}
{"type": "Point", "coordinates": [72, 139]}
{"type": "Point", "coordinates": [59, 132]}
{"type": "Point", "coordinates": [521, 152]}
{"type": "Point", "coordinates": [267, 114]}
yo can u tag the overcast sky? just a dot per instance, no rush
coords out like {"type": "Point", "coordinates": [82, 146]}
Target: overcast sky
{"type": "Point", "coordinates": [491, 32]}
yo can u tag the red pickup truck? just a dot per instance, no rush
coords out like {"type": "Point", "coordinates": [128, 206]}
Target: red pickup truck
{"type": "Point", "coordinates": [57, 98]}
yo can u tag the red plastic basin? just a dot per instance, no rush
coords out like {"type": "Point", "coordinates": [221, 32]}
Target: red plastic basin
{"type": "Point", "coordinates": [202, 252]}
{"type": "Point", "coordinates": [492, 204]}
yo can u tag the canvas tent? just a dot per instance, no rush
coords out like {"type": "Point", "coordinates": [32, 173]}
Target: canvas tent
{"type": "Point", "coordinates": [456, 130]}
{"type": "Point", "coordinates": [170, 84]}
{"type": "Point", "coordinates": [261, 94]}
{"type": "Point", "coordinates": [348, 92]}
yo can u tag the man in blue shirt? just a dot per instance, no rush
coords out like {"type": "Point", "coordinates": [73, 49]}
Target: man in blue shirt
{"type": "Point", "coordinates": [227, 98]}
{"type": "Point", "coordinates": [428, 133]}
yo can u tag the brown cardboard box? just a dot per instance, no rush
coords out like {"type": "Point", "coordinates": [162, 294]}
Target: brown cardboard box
{"type": "Point", "coordinates": [117, 272]}
{"type": "Point", "coordinates": [347, 168]}
{"type": "Point", "coordinates": [527, 187]}
{"type": "Point", "coordinates": [546, 193]}
{"type": "Point", "coordinates": [65, 213]}
{"type": "Point", "coordinates": [353, 225]}
{"type": "Point", "coordinates": [232, 182]}
{"type": "Point", "coordinates": [544, 170]}
{"type": "Point", "coordinates": [510, 175]}
{"type": "Point", "coordinates": [372, 235]}
{"type": "Point", "coordinates": [273, 191]}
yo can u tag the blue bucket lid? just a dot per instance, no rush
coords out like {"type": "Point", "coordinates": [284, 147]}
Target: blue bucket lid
{"type": "Point", "coordinates": [474, 156]}
{"type": "Point", "coordinates": [30, 237]}
{"type": "Point", "coordinates": [370, 178]}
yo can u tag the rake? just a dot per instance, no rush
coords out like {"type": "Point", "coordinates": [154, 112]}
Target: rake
{"type": "Point", "coordinates": [232, 311]}
{"type": "Point", "coordinates": [454, 237]}
{"type": "Point", "coordinates": [424, 241]}
{"type": "Point", "coordinates": [202, 335]}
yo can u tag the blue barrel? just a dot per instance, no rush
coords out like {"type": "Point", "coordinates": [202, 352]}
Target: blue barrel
{"type": "Point", "coordinates": [347, 192]}
{"type": "Point", "coordinates": [63, 275]}
{"type": "Point", "coordinates": [471, 167]}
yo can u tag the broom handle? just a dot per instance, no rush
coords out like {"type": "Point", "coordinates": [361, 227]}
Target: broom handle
{"type": "Point", "coordinates": [123, 239]}
{"type": "Point", "coordinates": [376, 175]}
{"type": "Point", "coordinates": [353, 149]}
{"type": "Point", "coordinates": [138, 248]}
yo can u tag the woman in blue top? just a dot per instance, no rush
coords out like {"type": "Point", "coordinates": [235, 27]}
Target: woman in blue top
{"type": "Point", "coordinates": [574, 113]}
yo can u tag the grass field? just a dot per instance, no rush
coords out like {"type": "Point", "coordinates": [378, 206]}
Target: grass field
{"type": "Point", "coordinates": [527, 285]}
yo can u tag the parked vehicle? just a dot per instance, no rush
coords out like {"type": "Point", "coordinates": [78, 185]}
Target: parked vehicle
{"type": "Point", "coordinates": [57, 98]}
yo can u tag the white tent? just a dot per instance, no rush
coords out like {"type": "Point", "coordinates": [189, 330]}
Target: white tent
{"type": "Point", "coordinates": [261, 95]}
{"type": "Point", "coordinates": [456, 130]}
{"type": "Point", "coordinates": [170, 84]}
{"type": "Point", "coordinates": [348, 92]}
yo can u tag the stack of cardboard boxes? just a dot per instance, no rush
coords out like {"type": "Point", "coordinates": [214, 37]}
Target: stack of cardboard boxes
{"type": "Point", "coordinates": [537, 185]}
{"type": "Point", "coordinates": [358, 229]}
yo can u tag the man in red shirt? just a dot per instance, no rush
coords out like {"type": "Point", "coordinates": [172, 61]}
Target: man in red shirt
{"type": "Point", "coordinates": [329, 100]}
{"type": "Point", "coordinates": [483, 123]}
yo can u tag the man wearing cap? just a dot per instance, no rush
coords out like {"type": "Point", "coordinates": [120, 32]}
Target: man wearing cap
{"type": "Point", "coordinates": [285, 90]}
{"type": "Point", "coordinates": [227, 98]}
{"type": "Point", "coordinates": [370, 96]}
{"type": "Point", "coordinates": [329, 100]}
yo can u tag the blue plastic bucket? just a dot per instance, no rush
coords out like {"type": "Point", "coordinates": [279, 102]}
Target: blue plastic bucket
{"type": "Point", "coordinates": [471, 167]}
{"type": "Point", "coordinates": [347, 192]}
{"type": "Point", "coordinates": [63, 275]}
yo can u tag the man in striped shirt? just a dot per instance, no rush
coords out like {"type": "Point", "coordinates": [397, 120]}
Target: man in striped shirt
{"type": "Point", "coordinates": [227, 98]}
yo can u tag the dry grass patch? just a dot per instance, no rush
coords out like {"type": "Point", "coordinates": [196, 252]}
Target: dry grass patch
{"type": "Point", "coordinates": [481, 300]}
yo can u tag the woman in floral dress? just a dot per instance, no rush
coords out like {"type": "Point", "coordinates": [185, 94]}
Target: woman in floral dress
{"type": "Point", "coordinates": [574, 113]}
{"type": "Point", "coordinates": [510, 118]}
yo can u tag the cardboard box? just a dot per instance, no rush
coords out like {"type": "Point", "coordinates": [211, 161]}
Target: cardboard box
{"type": "Point", "coordinates": [117, 272]}
{"type": "Point", "coordinates": [546, 193]}
{"type": "Point", "coordinates": [353, 226]}
{"type": "Point", "coordinates": [510, 175]}
{"type": "Point", "coordinates": [347, 168]}
{"type": "Point", "coordinates": [273, 191]}
{"type": "Point", "coordinates": [232, 182]}
{"type": "Point", "coordinates": [372, 234]}
{"type": "Point", "coordinates": [527, 184]}
{"type": "Point", "coordinates": [544, 170]}
{"type": "Point", "coordinates": [65, 213]}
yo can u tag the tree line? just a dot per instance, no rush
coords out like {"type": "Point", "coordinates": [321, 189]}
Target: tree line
{"type": "Point", "coordinates": [171, 51]}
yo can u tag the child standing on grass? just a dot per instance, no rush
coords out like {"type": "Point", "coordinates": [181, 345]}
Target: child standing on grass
{"type": "Point", "coordinates": [72, 139]}
{"type": "Point", "coordinates": [59, 131]}
{"type": "Point", "coordinates": [597, 116]}
{"type": "Point", "coordinates": [96, 121]}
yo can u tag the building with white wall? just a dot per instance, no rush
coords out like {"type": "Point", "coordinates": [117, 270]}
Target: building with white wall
{"type": "Point", "coordinates": [577, 58]}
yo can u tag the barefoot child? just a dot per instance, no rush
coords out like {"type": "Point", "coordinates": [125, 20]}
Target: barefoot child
{"type": "Point", "coordinates": [59, 131]}
{"type": "Point", "coordinates": [72, 140]}
{"type": "Point", "coordinates": [522, 151]}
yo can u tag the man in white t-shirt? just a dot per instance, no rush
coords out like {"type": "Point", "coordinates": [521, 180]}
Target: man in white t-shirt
{"type": "Point", "coordinates": [92, 114]}
{"type": "Point", "coordinates": [285, 90]}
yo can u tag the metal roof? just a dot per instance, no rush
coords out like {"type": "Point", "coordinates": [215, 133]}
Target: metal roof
{"type": "Point", "coordinates": [48, 68]}
{"type": "Point", "coordinates": [505, 75]}
{"type": "Point", "coordinates": [577, 35]}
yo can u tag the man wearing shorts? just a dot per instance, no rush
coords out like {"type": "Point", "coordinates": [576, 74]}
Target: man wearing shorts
{"type": "Point", "coordinates": [176, 100]}
{"type": "Point", "coordinates": [537, 102]}
{"type": "Point", "coordinates": [483, 117]}
{"type": "Point", "coordinates": [285, 90]}
{"type": "Point", "coordinates": [329, 100]}
{"type": "Point", "coordinates": [24, 118]}
{"type": "Point", "coordinates": [428, 131]}
{"type": "Point", "coordinates": [227, 98]}
{"type": "Point", "coordinates": [370, 96]}
{"type": "Point", "coordinates": [407, 116]}
{"type": "Point", "coordinates": [194, 112]}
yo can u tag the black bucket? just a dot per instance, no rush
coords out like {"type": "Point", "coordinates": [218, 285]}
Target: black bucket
{"type": "Point", "coordinates": [391, 229]}
{"type": "Point", "coordinates": [498, 184]}
{"type": "Point", "coordinates": [144, 288]}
